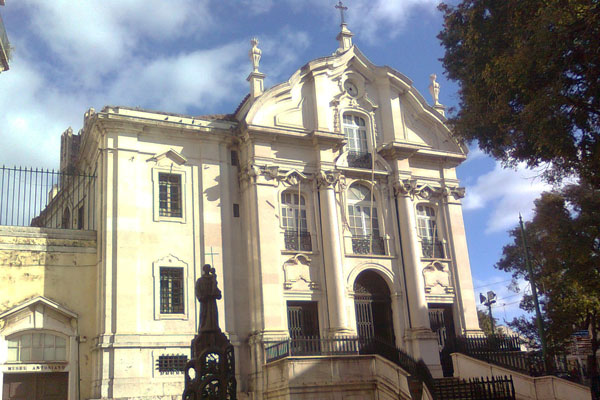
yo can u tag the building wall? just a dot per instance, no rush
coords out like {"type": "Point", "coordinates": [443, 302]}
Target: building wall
{"type": "Point", "coordinates": [48, 285]}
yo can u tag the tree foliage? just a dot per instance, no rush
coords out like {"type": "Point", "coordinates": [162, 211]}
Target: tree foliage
{"type": "Point", "coordinates": [485, 322]}
{"type": "Point", "coordinates": [564, 247]}
{"type": "Point", "coordinates": [529, 77]}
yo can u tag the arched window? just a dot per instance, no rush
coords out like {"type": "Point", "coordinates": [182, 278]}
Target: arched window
{"type": "Point", "coordinates": [431, 242]}
{"type": "Point", "coordinates": [355, 131]}
{"type": "Point", "coordinates": [37, 346]}
{"type": "Point", "coordinates": [363, 221]}
{"type": "Point", "coordinates": [293, 220]}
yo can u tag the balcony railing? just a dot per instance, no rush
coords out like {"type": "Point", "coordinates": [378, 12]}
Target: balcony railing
{"type": "Point", "coordinates": [357, 159]}
{"type": "Point", "coordinates": [4, 47]}
{"type": "Point", "coordinates": [46, 198]}
{"type": "Point", "coordinates": [433, 248]}
{"type": "Point", "coordinates": [367, 244]}
{"type": "Point", "coordinates": [297, 240]}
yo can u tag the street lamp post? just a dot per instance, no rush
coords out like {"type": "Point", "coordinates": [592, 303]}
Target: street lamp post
{"type": "Point", "coordinates": [491, 299]}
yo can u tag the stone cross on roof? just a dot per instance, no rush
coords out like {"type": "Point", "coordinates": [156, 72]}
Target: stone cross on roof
{"type": "Point", "coordinates": [340, 6]}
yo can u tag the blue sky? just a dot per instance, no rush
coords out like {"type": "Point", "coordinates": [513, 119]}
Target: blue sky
{"type": "Point", "coordinates": [191, 57]}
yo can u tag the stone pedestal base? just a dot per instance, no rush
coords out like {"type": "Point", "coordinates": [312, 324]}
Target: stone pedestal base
{"type": "Point", "coordinates": [423, 345]}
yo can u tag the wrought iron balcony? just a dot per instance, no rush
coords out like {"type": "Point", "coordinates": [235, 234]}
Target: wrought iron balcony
{"type": "Point", "coordinates": [433, 248]}
{"type": "Point", "coordinates": [357, 159]}
{"type": "Point", "coordinates": [368, 244]}
{"type": "Point", "coordinates": [298, 240]}
{"type": "Point", "coordinates": [4, 47]}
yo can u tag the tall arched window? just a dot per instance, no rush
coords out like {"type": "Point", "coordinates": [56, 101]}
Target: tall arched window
{"type": "Point", "coordinates": [293, 220]}
{"type": "Point", "coordinates": [363, 221]}
{"type": "Point", "coordinates": [355, 131]}
{"type": "Point", "coordinates": [431, 243]}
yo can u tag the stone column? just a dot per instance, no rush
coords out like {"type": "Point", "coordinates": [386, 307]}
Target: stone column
{"type": "Point", "coordinates": [419, 337]}
{"type": "Point", "coordinates": [332, 252]}
{"type": "Point", "coordinates": [419, 315]}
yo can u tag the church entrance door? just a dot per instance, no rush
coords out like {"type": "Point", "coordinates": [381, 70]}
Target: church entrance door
{"type": "Point", "coordinates": [303, 325]}
{"type": "Point", "coordinates": [36, 386]}
{"type": "Point", "coordinates": [373, 308]}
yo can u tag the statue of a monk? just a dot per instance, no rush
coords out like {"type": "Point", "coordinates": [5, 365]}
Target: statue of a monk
{"type": "Point", "coordinates": [207, 294]}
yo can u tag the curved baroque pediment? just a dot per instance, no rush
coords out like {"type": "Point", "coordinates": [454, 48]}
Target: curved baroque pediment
{"type": "Point", "coordinates": [317, 95]}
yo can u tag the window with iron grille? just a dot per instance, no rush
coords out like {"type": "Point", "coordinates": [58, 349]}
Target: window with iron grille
{"type": "Point", "coordinates": [294, 221]}
{"type": "Point", "coordinates": [431, 244]}
{"type": "Point", "coordinates": [171, 364]}
{"type": "Point", "coordinates": [363, 221]}
{"type": "Point", "coordinates": [355, 131]}
{"type": "Point", "coordinates": [170, 201]}
{"type": "Point", "coordinates": [171, 290]}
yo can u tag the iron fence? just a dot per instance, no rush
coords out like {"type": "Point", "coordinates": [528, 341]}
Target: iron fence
{"type": "Point", "coordinates": [505, 351]}
{"type": "Point", "coordinates": [494, 388]}
{"type": "Point", "coordinates": [47, 198]}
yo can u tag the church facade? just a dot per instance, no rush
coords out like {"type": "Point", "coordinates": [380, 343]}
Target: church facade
{"type": "Point", "coordinates": [328, 206]}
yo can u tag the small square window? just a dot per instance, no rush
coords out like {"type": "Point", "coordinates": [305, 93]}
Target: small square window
{"type": "Point", "coordinates": [236, 210]}
{"type": "Point", "coordinates": [171, 290]}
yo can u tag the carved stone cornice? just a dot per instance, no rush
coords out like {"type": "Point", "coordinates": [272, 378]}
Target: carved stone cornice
{"type": "Point", "coordinates": [274, 174]}
{"type": "Point", "coordinates": [411, 188]}
{"type": "Point", "coordinates": [328, 178]}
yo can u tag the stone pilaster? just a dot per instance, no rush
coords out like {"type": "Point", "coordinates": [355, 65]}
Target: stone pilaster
{"type": "Point", "coordinates": [332, 252]}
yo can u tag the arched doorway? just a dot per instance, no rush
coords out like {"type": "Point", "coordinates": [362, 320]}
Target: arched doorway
{"type": "Point", "coordinates": [373, 308]}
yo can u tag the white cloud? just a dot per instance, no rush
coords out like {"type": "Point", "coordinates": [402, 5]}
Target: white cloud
{"type": "Point", "coordinates": [474, 153]}
{"type": "Point", "coordinates": [507, 192]}
{"type": "Point", "coordinates": [200, 79]}
{"type": "Point", "coordinates": [96, 38]}
{"type": "Point", "coordinates": [387, 17]}
{"type": "Point", "coordinates": [33, 115]}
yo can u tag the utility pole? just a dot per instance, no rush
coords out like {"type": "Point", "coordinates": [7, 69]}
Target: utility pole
{"type": "Point", "coordinates": [538, 313]}
{"type": "Point", "coordinates": [491, 299]}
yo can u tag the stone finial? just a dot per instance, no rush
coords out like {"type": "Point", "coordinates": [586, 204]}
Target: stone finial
{"type": "Point", "coordinates": [255, 54]}
{"type": "Point", "coordinates": [255, 78]}
{"type": "Point", "coordinates": [434, 90]}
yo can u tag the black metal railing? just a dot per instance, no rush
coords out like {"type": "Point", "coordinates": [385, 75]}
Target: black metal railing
{"type": "Point", "coordinates": [368, 244]}
{"type": "Point", "coordinates": [297, 240]}
{"type": "Point", "coordinates": [433, 248]}
{"type": "Point", "coordinates": [358, 159]}
{"type": "Point", "coordinates": [505, 351]}
{"type": "Point", "coordinates": [348, 345]}
{"type": "Point", "coordinates": [46, 198]}
{"type": "Point", "coordinates": [494, 388]}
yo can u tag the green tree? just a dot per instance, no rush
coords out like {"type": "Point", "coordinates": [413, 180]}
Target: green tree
{"type": "Point", "coordinates": [529, 78]}
{"type": "Point", "coordinates": [564, 247]}
{"type": "Point", "coordinates": [485, 322]}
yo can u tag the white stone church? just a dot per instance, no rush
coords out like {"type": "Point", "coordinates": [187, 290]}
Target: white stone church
{"type": "Point", "coordinates": [328, 205]}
